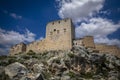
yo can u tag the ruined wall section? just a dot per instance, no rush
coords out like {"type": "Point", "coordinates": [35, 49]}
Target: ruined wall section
{"type": "Point", "coordinates": [78, 42]}
{"type": "Point", "coordinates": [112, 49]}
{"type": "Point", "coordinates": [37, 46]}
{"type": "Point", "coordinates": [18, 48]}
{"type": "Point", "coordinates": [88, 42]}
{"type": "Point", "coordinates": [100, 47]}
{"type": "Point", "coordinates": [32, 46]}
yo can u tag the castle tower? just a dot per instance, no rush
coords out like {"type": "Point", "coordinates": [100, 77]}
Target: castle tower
{"type": "Point", "coordinates": [60, 35]}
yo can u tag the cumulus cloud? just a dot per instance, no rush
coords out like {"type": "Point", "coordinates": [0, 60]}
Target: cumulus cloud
{"type": "Point", "coordinates": [8, 38]}
{"type": "Point", "coordinates": [99, 28]}
{"type": "Point", "coordinates": [78, 9]}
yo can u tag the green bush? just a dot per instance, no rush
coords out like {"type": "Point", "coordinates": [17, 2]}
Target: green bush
{"type": "Point", "coordinates": [12, 60]}
{"type": "Point", "coordinates": [3, 63]}
{"type": "Point", "coordinates": [3, 76]}
{"type": "Point", "coordinates": [3, 57]}
{"type": "Point", "coordinates": [47, 75]}
{"type": "Point", "coordinates": [57, 61]}
{"type": "Point", "coordinates": [26, 57]}
{"type": "Point", "coordinates": [45, 53]}
{"type": "Point", "coordinates": [88, 75]}
{"type": "Point", "coordinates": [30, 52]}
{"type": "Point", "coordinates": [44, 62]}
{"type": "Point", "coordinates": [71, 55]}
{"type": "Point", "coordinates": [71, 74]}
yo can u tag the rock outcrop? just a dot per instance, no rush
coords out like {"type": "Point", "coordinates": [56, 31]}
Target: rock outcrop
{"type": "Point", "coordinates": [78, 64]}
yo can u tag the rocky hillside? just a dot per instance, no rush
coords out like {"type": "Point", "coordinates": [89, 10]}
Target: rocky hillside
{"type": "Point", "coordinates": [78, 64]}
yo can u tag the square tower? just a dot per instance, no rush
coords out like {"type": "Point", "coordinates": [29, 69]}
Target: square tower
{"type": "Point", "coordinates": [60, 35]}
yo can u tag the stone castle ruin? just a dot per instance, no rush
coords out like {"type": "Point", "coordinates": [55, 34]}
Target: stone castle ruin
{"type": "Point", "coordinates": [60, 35]}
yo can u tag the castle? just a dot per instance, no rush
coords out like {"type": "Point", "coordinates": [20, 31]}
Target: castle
{"type": "Point", "coordinates": [60, 35]}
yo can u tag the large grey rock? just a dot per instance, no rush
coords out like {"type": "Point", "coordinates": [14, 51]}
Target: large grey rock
{"type": "Point", "coordinates": [39, 77]}
{"type": "Point", "coordinates": [113, 75]}
{"type": "Point", "coordinates": [50, 61]}
{"type": "Point", "coordinates": [111, 66]}
{"type": "Point", "coordinates": [55, 78]}
{"type": "Point", "coordinates": [38, 68]}
{"type": "Point", "coordinates": [65, 77]}
{"type": "Point", "coordinates": [117, 62]}
{"type": "Point", "coordinates": [55, 65]}
{"type": "Point", "coordinates": [81, 51]}
{"type": "Point", "coordinates": [16, 70]}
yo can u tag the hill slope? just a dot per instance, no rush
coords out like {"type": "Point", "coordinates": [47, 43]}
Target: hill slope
{"type": "Point", "coordinates": [78, 64]}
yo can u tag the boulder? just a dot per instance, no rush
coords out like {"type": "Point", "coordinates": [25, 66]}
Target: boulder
{"type": "Point", "coordinates": [50, 61]}
{"type": "Point", "coordinates": [65, 77]}
{"type": "Point", "coordinates": [38, 68]}
{"type": "Point", "coordinates": [39, 77]}
{"type": "Point", "coordinates": [113, 75]}
{"type": "Point", "coordinates": [16, 70]}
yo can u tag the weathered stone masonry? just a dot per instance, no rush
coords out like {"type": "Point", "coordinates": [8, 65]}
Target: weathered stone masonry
{"type": "Point", "coordinates": [60, 35]}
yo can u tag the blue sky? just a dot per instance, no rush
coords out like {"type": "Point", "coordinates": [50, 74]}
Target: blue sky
{"type": "Point", "coordinates": [25, 20]}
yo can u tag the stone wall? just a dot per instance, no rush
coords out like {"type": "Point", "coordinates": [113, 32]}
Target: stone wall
{"type": "Point", "coordinates": [37, 46]}
{"type": "Point", "coordinates": [18, 48]}
{"type": "Point", "coordinates": [112, 49]}
{"type": "Point", "coordinates": [78, 42]}
{"type": "Point", "coordinates": [100, 47]}
{"type": "Point", "coordinates": [88, 42]}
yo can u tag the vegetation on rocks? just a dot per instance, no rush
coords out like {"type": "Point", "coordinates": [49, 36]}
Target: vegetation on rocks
{"type": "Point", "coordinates": [77, 64]}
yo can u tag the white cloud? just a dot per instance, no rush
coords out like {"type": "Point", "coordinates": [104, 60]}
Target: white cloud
{"type": "Point", "coordinates": [8, 38]}
{"type": "Point", "coordinates": [99, 28]}
{"type": "Point", "coordinates": [108, 41]}
{"type": "Point", "coordinates": [107, 12]}
{"type": "Point", "coordinates": [78, 9]}
{"type": "Point", "coordinates": [15, 16]}
{"type": "Point", "coordinates": [41, 38]}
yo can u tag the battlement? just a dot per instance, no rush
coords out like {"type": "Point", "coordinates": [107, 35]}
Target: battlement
{"type": "Point", "coordinates": [57, 22]}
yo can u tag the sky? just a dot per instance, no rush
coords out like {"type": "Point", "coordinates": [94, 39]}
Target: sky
{"type": "Point", "coordinates": [26, 20]}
